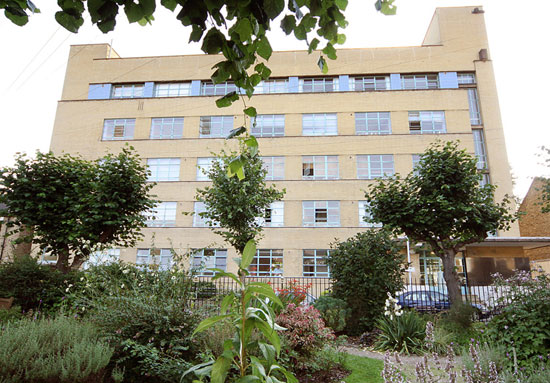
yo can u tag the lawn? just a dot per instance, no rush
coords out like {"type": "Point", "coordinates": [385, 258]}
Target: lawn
{"type": "Point", "coordinates": [363, 370]}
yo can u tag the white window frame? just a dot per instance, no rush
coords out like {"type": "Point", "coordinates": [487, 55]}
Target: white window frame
{"type": "Point", "coordinates": [161, 257]}
{"type": "Point", "coordinates": [318, 85]}
{"type": "Point", "coordinates": [479, 149]}
{"type": "Point", "coordinates": [102, 257]}
{"type": "Point", "coordinates": [220, 126]}
{"type": "Point", "coordinates": [319, 124]}
{"type": "Point", "coordinates": [204, 165]}
{"type": "Point", "coordinates": [370, 83]}
{"type": "Point", "coordinates": [427, 122]}
{"type": "Point", "coordinates": [321, 213]}
{"type": "Point", "coordinates": [274, 259]}
{"type": "Point", "coordinates": [466, 79]}
{"type": "Point", "coordinates": [420, 81]}
{"type": "Point", "coordinates": [272, 86]}
{"type": "Point", "coordinates": [164, 169]}
{"type": "Point", "coordinates": [315, 259]}
{"type": "Point", "coordinates": [275, 166]}
{"type": "Point", "coordinates": [118, 129]}
{"type": "Point", "coordinates": [320, 167]}
{"type": "Point", "coordinates": [162, 215]}
{"type": "Point", "coordinates": [371, 166]}
{"type": "Point", "coordinates": [274, 215]}
{"type": "Point", "coordinates": [268, 125]}
{"type": "Point", "coordinates": [198, 221]}
{"type": "Point", "coordinates": [208, 88]}
{"type": "Point", "coordinates": [473, 103]}
{"type": "Point", "coordinates": [367, 123]}
{"type": "Point", "coordinates": [365, 213]}
{"type": "Point", "coordinates": [172, 89]}
{"type": "Point", "coordinates": [127, 90]}
{"type": "Point", "coordinates": [415, 162]}
{"type": "Point", "coordinates": [163, 128]}
{"type": "Point", "coordinates": [205, 259]}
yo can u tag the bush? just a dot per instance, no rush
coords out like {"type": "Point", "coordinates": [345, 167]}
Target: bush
{"type": "Point", "coordinates": [12, 314]}
{"type": "Point", "coordinates": [58, 350]}
{"type": "Point", "coordinates": [364, 269]}
{"type": "Point", "coordinates": [478, 358]}
{"type": "Point", "coordinates": [34, 286]}
{"type": "Point", "coordinates": [334, 312]}
{"type": "Point", "coordinates": [405, 333]}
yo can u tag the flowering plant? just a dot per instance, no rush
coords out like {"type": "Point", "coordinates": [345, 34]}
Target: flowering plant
{"type": "Point", "coordinates": [294, 293]}
{"type": "Point", "coordinates": [391, 308]}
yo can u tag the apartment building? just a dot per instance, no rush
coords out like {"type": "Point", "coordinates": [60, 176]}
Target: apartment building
{"type": "Point", "coordinates": [324, 138]}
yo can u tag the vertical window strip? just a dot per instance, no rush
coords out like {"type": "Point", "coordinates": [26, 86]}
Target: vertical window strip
{"type": "Point", "coordinates": [321, 124]}
{"type": "Point", "coordinates": [206, 259]}
{"type": "Point", "coordinates": [272, 86]}
{"type": "Point", "coordinates": [173, 89]}
{"type": "Point", "coordinates": [155, 257]}
{"type": "Point", "coordinates": [372, 123]}
{"type": "Point", "coordinates": [208, 88]}
{"type": "Point", "coordinates": [275, 167]}
{"type": "Point", "coordinates": [127, 91]}
{"type": "Point", "coordinates": [315, 263]}
{"type": "Point", "coordinates": [320, 167]}
{"type": "Point", "coordinates": [321, 213]}
{"type": "Point", "coordinates": [415, 163]}
{"type": "Point", "coordinates": [204, 165]}
{"type": "Point", "coordinates": [267, 263]}
{"type": "Point", "coordinates": [199, 221]}
{"type": "Point", "coordinates": [370, 83]}
{"type": "Point", "coordinates": [372, 166]}
{"type": "Point", "coordinates": [166, 128]}
{"type": "Point", "coordinates": [420, 81]}
{"type": "Point", "coordinates": [473, 102]}
{"type": "Point", "coordinates": [364, 214]}
{"type": "Point", "coordinates": [274, 215]}
{"type": "Point", "coordinates": [164, 169]}
{"type": "Point", "coordinates": [269, 125]}
{"type": "Point", "coordinates": [118, 129]}
{"type": "Point", "coordinates": [162, 215]}
{"type": "Point", "coordinates": [215, 126]}
{"type": "Point", "coordinates": [318, 85]}
{"type": "Point", "coordinates": [479, 149]}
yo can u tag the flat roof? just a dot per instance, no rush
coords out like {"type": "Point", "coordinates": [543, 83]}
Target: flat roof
{"type": "Point", "coordinates": [524, 242]}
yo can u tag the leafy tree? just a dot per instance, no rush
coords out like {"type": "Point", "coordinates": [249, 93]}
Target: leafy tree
{"type": "Point", "coordinates": [441, 204]}
{"type": "Point", "coordinates": [364, 269]}
{"type": "Point", "coordinates": [545, 196]}
{"type": "Point", "coordinates": [76, 206]}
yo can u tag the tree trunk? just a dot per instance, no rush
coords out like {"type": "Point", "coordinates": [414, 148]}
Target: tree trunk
{"type": "Point", "coordinates": [63, 260]}
{"type": "Point", "coordinates": [451, 277]}
{"type": "Point", "coordinates": [77, 262]}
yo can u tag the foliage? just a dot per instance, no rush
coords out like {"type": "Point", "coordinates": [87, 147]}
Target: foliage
{"type": "Point", "coordinates": [293, 293]}
{"type": "Point", "coordinates": [235, 205]}
{"type": "Point", "coordinates": [404, 333]}
{"type": "Point", "coordinates": [545, 192]}
{"type": "Point", "coordinates": [334, 312]}
{"type": "Point", "coordinates": [442, 204]}
{"type": "Point", "coordinates": [58, 350]}
{"type": "Point", "coordinates": [76, 206]}
{"type": "Point", "coordinates": [478, 358]}
{"type": "Point", "coordinates": [364, 269]}
{"type": "Point", "coordinates": [33, 286]}
{"type": "Point", "coordinates": [460, 316]}
{"type": "Point", "coordinates": [523, 326]}
{"type": "Point", "coordinates": [12, 314]}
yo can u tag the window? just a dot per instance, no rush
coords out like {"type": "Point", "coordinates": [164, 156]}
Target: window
{"type": "Point", "coordinates": [209, 259]}
{"type": "Point", "coordinates": [315, 263]}
{"type": "Point", "coordinates": [119, 129]}
{"type": "Point", "coordinates": [103, 257]}
{"type": "Point", "coordinates": [199, 221]}
{"type": "Point", "coordinates": [275, 167]}
{"type": "Point", "coordinates": [466, 78]}
{"type": "Point", "coordinates": [420, 81]}
{"type": "Point", "coordinates": [415, 162]}
{"type": "Point", "coordinates": [164, 169]}
{"type": "Point", "coordinates": [274, 215]}
{"type": "Point", "coordinates": [323, 84]}
{"type": "Point", "coordinates": [473, 102]}
{"type": "Point", "coordinates": [172, 89]}
{"type": "Point", "coordinates": [208, 88]}
{"type": "Point", "coordinates": [372, 166]}
{"type": "Point", "coordinates": [479, 149]}
{"type": "Point", "coordinates": [322, 124]}
{"type": "Point", "coordinates": [373, 123]}
{"type": "Point", "coordinates": [370, 83]}
{"type": "Point", "coordinates": [161, 258]}
{"type": "Point", "coordinates": [127, 91]}
{"type": "Point", "coordinates": [485, 179]}
{"type": "Point", "coordinates": [364, 214]}
{"type": "Point", "coordinates": [166, 128]}
{"type": "Point", "coordinates": [269, 125]}
{"type": "Point", "coordinates": [426, 122]}
{"type": "Point", "coordinates": [215, 126]}
{"type": "Point", "coordinates": [321, 213]}
{"type": "Point", "coordinates": [162, 215]}
{"type": "Point", "coordinates": [272, 86]}
{"type": "Point", "coordinates": [267, 263]}
{"type": "Point", "coordinates": [320, 167]}
{"type": "Point", "coordinates": [204, 165]}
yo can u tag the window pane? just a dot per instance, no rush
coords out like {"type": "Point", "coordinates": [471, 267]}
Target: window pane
{"type": "Point", "coordinates": [314, 263]}
{"type": "Point", "coordinates": [269, 125]}
{"type": "Point", "coordinates": [323, 124]}
{"type": "Point", "coordinates": [119, 129]}
{"type": "Point", "coordinates": [167, 128]}
{"type": "Point", "coordinates": [215, 126]}
{"type": "Point", "coordinates": [373, 123]}
{"type": "Point", "coordinates": [374, 166]}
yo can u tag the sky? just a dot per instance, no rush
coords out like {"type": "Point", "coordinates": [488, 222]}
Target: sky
{"type": "Point", "coordinates": [34, 58]}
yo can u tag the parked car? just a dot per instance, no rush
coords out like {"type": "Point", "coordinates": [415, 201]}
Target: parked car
{"type": "Point", "coordinates": [432, 301]}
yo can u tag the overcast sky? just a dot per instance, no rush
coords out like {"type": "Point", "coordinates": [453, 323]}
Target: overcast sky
{"type": "Point", "coordinates": [33, 62]}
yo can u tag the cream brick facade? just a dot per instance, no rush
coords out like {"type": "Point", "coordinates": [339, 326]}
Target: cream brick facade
{"type": "Point", "coordinates": [452, 45]}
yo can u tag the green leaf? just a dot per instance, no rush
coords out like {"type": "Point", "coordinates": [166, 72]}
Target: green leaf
{"type": "Point", "coordinates": [244, 29]}
{"type": "Point", "coordinates": [269, 333]}
{"type": "Point", "coordinates": [330, 51]}
{"type": "Point", "coordinates": [252, 145]}
{"type": "Point", "coordinates": [386, 7]}
{"type": "Point", "coordinates": [288, 23]}
{"type": "Point", "coordinates": [227, 100]}
{"type": "Point", "coordinates": [236, 168]}
{"type": "Point", "coordinates": [313, 45]}
{"type": "Point", "coordinates": [220, 369]}
{"type": "Point", "coordinates": [263, 70]}
{"type": "Point", "coordinates": [322, 63]}
{"type": "Point", "coordinates": [227, 302]}
{"type": "Point", "coordinates": [251, 111]}
{"type": "Point", "coordinates": [265, 290]}
{"type": "Point", "coordinates": [248, 379]}
{"type": "Point", "coordinates": [264, 48]}
{"type": "Point", "coordinates": [16, 16]}
{"type": "Point", "coordinates": [170, 4]}
{"type": "Point", "coordinates": [248, 254]}
{"type": "Point", "coordinates": [213, 42]}
{"type": "Point", "coordinates": [69, 22]}
{"type": "Point", "coordinates": [273, 8]}
{"type": "Point", "coordinates": [134, 12]}
{"type": "Point", "coordinates": [342, 4]}
{"type": "Point", "coordinates": [236, 132]}
{"type": "Point", "coordinates": [341, 39]}
{"type": "Point", "coordinates": [220, 273]}
{"type": "Point", "coordinates": [209, 322]}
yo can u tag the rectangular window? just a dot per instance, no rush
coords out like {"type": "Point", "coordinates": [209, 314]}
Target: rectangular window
{"type": "Point", "coordinates": [323, 84]}
{"type": "Point", "coordinates": [466, 78]}
{"type": "Point", "coordinates": [204, 165]}
{"type": "Point", "coordinates": [269, 125]}
{"type": "Point", "coordinates": [315, 263]}
{"type": "Point", "coordinates": [199, 221]}
{"type": "Point", "coordinates": [172, 89]}
{"type": "Point", "coordinates": [372, 166]}
{"type": "Point", "coordinates": [272, 86]}
{"type": "Point", "coordinates": [415, 162]}
{"type": "Point", "coordinates": [267, 263]}
{"type": "Point", "coordinates": [103, 257]}
{"type": "Point", "coordinates": [166, 128]}
{"type": "Point", "coordinates": [420, 81]}
{"type": "Point", "coordinates": [320, 167]}
{"type": "Point", "coordinates": [370, 83]}
{"type": "Point", "coordinates": [473, 102]}
{"type": "Point", "coordinates": [162, 215]}
{"type": "Point", "coordinates": [164, 169]}
{"type": "Point", "coordinates": [427, 122]}
{"type": "Point", "coordinates": [208, 88]}
{"type": "Point", "coordinates": [206, 259]}
{"type": "Point", "coordinates": [479, 149]}
{"type": "Point", "coordinates": [215, 126]}
{"type": "Point", "coordinates": [321, 124]}
{"type": "Point", "coordinates": [274, 215]}
{"type": "Point", "coordinates": [485, 179]}
{"type": "Point", "coordinates": [372, 123]}
{"type": "Point", "coordinates": [119, 129]}
{"type": "Point", "coordinates": [275, 167]}
{"type": "Point", "coordinates": [155, 258]}
{"type": "Point", "coordinates": [321, 213]}
{"type": "Point", "coordinates": [364, 214]}
{"type": "Point", "coordinates": [127, 91]}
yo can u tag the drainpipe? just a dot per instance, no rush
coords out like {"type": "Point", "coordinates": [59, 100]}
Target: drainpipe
{"type": "Point", "coordinates": [4, 237]}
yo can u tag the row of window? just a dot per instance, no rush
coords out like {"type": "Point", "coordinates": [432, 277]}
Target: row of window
{"type": "Point", "coordinates": [443, 80]}
{"type": "Point", "coordinates": [314, 214]}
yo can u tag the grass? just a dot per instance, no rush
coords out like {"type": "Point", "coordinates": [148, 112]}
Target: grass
{"type": "Point", "coordinates": [363, 369]}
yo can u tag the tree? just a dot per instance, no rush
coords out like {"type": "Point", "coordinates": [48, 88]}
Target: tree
{"type": "Point", "coordinates": [545, 192]}
{"type": "Point", "coordinates": [441, 204]}
{"type": "Point", "coordinates": [364, 269]}
{"type": "Point", "coordinates": [75, 206]}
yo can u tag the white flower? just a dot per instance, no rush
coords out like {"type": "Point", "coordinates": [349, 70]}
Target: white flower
{"type": "Point", "coordinates": [81, 278]}
{"type": "Point", "coordinates": [125, 271]}
{"type": "Point", "coordinates": [174, 278]}
{"type": "Point", "coordinates": [67, 290]}
{"type": "Point", "coordinates": [122, 286]}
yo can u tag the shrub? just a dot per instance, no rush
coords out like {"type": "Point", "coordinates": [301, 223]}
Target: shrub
{"type": "Point", "coordinates": [12, 314]}
{"type": "Point", "coordinates": [334, 312]}
{"type": "Point", "coordinates": [58, 350]}
{"type": "Point", "coordinates": [460, 316]}
{"type": "Point", "coordinates": [294, 293]}
{"type": "Point", "coordinates": [478, 359]}
{"type": "Point", "coordinates": [405, 333]}
{"type": "Point", "coordinates": [364, 269]}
